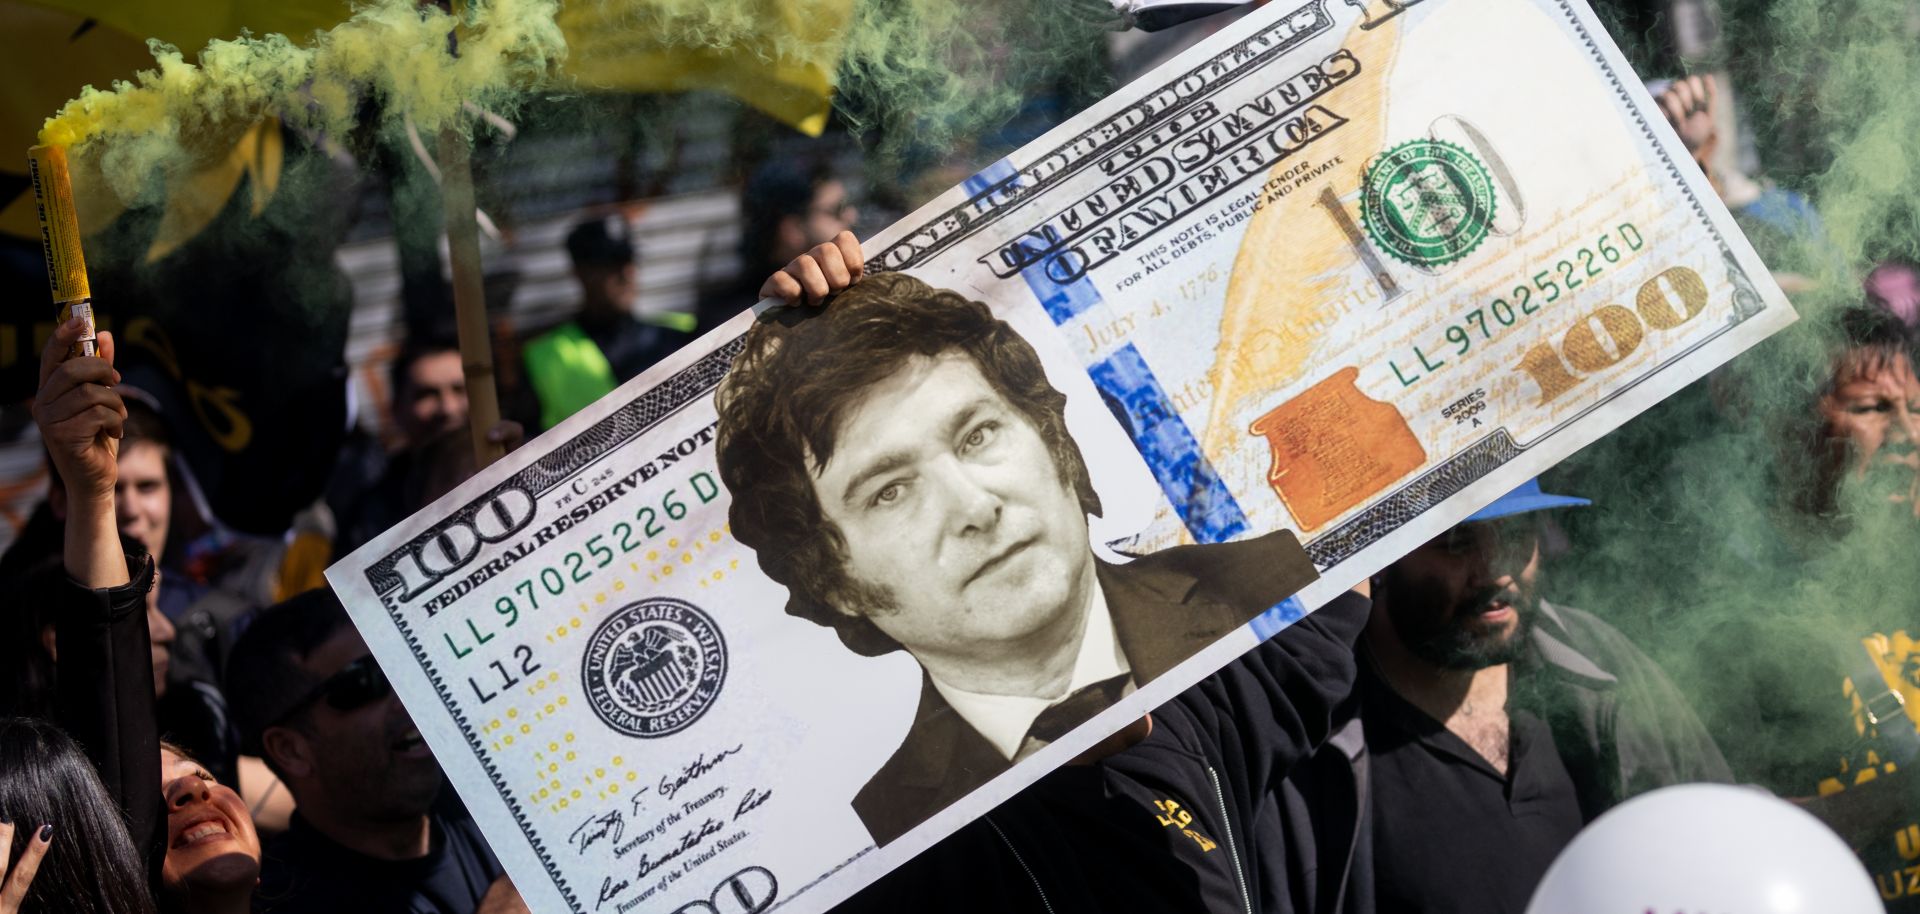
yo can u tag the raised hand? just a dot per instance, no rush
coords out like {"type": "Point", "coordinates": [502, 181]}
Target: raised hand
{"type": "Point", "coordinates": [818, 273]}
{"type": "Point", "coordinates": [1689, 106]}
{"type": "Point", "coordinates": [80, 414]}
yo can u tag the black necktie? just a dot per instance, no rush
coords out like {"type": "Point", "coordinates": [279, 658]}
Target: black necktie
{"type": "Point", "coordinates": [1062, 716]}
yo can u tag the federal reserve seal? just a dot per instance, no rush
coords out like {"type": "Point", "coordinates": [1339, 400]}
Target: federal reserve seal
{"type": "Point", "coordinates": [653, 667]}
{"type": "Point", "coordinates": [1427, 202]}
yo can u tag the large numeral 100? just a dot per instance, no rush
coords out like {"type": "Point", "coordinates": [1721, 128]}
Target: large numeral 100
{"type": "Point", "coordinates": [1608, 334]}
{"type": "Point", "coordinates": [456, 544]}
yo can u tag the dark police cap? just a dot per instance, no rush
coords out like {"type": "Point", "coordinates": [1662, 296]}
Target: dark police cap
{"type": "Point", "coordinates": [607, 241]}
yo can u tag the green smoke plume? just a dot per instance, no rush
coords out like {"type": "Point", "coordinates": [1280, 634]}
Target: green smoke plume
{"type": "Point", "coordinates": [1717, 540]}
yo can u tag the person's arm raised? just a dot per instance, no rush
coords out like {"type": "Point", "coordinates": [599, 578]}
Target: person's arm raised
{"type": "Point", "coordinates": [80, 417]}
{"type": "Point", "coordinates": [104, 671]}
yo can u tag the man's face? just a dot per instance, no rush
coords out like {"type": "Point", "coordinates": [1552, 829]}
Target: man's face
{"type": "Point", "coordinates": [369, 761]}
{"type": "Point", "coordinates": [1877, 412]}
{"type": "Point", "coordinates": [142, 499]}
{"type": "Point", "coordinates": [957, 522]}
{"type": "Point", "coordinates": [434, 398]}
{"type": "Point", "coordinates": [1463, 600]}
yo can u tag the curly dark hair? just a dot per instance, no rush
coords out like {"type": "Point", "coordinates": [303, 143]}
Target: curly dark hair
{"type": "Point", "coordinates": [783, 401]}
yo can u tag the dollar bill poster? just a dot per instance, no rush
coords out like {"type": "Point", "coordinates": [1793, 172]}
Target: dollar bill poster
{"type": "Point", "coordinates": [779, 614]}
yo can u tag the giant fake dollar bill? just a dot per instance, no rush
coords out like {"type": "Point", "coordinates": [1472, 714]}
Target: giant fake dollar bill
{"type": "Point", "coordinates": [748, 632]}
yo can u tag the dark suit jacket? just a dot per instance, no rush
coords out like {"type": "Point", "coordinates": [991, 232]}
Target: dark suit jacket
{"type": "Point", "coordinates": [1165, 606]}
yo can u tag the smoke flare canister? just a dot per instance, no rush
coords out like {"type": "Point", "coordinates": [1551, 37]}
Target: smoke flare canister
{"type": "Point", "coordinates": [60, 239]}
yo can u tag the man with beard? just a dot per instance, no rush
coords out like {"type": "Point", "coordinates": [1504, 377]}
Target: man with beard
{"type": "Point", "coordinates": [1496, 723]}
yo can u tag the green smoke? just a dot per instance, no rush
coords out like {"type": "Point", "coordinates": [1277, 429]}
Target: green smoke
{"type": "Point", "coordinates": [1711, 541]}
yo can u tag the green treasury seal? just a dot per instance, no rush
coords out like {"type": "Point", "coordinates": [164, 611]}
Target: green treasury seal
{"type": "Point", "coordinates": [1427, 202]}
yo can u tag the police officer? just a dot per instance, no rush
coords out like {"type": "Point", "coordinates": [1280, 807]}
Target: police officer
{"type": "Point", "coordinates": [584, 359]}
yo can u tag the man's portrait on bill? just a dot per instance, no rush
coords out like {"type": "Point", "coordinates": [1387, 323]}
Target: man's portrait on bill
{"type": "Point", "coordinates": [900, 463]}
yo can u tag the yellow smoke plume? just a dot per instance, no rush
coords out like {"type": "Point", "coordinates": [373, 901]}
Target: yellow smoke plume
{"type": "Point", "coordinates": [391, 50]}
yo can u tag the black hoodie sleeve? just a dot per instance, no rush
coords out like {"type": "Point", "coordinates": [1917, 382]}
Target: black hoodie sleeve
{"type": "Point", "coordinates": [1085, 838]}
{"type": "Point", "coordinates": [104, 669]}
{"type": "Point", "coordinates": [1272, 708]}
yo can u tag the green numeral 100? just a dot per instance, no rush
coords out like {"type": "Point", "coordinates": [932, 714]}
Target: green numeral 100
{"type": "Point", "coordinates": [1583, 347]}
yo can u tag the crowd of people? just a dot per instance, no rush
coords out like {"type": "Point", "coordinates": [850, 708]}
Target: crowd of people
{"type": "Point", "coordinates": [1428, 742]}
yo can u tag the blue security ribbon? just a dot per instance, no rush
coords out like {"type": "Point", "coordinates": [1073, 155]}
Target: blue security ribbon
{"type": "Point", "coordinates": [1136, 398]}
{"type": "Point", "coordinates": [1141, 405]}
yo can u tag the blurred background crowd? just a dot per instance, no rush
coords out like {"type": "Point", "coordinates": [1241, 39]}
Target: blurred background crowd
{"type": "Point", "coordinates": [293, 387]}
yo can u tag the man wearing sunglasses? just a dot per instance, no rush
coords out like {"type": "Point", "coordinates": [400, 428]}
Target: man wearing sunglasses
{"type": "Point", "coordinates": [1499, 719]}
{"type": "Point", "coordinates": [368, 833]}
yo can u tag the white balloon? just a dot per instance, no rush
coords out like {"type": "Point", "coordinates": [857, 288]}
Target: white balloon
{"type": "Point", "coordinates": [1706, 849]}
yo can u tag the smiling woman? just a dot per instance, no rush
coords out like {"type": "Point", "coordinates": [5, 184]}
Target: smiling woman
{"type": "Point", "coordinates": [213, 854]}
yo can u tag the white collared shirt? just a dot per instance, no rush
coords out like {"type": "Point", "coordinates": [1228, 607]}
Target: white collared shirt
{"type": "Point", "coordinates": [1005, 719]}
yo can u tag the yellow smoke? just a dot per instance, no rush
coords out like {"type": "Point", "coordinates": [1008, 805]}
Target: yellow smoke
{"type": "Point", "coordinates": [392, 50]}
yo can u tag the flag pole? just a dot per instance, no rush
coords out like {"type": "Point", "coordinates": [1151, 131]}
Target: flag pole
{"type": "Point", "coordinates": [469, 298]}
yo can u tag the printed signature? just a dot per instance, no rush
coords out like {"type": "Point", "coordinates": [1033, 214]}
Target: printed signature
{"type": "Point", "coordinates": [693, 770]}
{"type": "Point", "coordinates": [610, 826]}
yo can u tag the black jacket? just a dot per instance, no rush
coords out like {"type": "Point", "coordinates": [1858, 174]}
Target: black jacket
{"type": "Point", "coordinates": [1165, 606]}
{"type": "Point", "coordinates": [1189, 819]}
{"type": "Point", "coordinates": [105, 698]}
{"type": "Point", "coordinates": [1270, 752]}
{"type": "Point", "coordinates": [1620, 725]}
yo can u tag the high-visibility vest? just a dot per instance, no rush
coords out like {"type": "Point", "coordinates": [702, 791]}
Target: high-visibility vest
{"type": "Point", "coordinates": [567, 371]}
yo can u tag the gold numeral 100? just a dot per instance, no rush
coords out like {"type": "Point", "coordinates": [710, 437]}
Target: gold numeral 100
{"type": "Point", "coordinates": [1608, 334]}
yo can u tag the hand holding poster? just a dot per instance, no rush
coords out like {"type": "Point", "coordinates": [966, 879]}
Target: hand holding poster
{"type": "Point", "coordinates": [774, 617]}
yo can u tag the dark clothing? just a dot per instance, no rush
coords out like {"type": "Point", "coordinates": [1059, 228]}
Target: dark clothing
{"type": "Point", "coordinates": [1871, 797]}
{"type": "Point", "coordinates": [105, 697]}
{"type": "Point", "coordinates": [194, 716]}
{"type": "Point", "coordinates": [384, 502]}
{"type": "Point", "coordinates": [1441, 810]}
{"type": "Point", "coordinates": [1620, 725]}
{"type": "Point", "coordinates": [362, 494]}
{"type": "Point", "coordinates": [1304, 831]}
{"type": "Point", "coordinates": [1165, 607]}
{"type": "Point", "coordinates": [1189, 819]}
{"type": "Point", "coordinates": [1593, 721]}
{"type": "Point", "coordinates": [630, 345]}
{"type": "Point", "coordinates": [304, 871]}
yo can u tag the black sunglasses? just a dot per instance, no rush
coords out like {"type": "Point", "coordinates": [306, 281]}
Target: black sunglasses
{"type": "Point", "coordinates": [357, 685]}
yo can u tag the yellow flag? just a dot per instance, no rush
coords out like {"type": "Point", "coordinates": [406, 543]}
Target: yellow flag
{"type": "Point", "coordinates": [189, 26]}
{"type": "Point", "coordinates": [777, 55]}
{"type": "Point", "coordinates": [53, 52]}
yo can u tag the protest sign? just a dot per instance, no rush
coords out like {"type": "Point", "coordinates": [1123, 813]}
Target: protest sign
{"type": "Point", "coordinates": [750, 631]}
